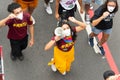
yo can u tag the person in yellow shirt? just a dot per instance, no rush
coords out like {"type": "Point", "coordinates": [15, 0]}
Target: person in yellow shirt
{"type": "Point", "coordinates": [64, 40]}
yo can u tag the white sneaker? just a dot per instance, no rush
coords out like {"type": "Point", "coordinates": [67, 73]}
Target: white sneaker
{"type": "Point", "coordinates": [53, 68]}
{"type": "Point", "coordinates": [51, 1]}
{"type": "Point", "coordinates": [48, 9]}
{"type": "Point", "coordinates": [87, 19]}
{"type": "Point", "coordinates": [64, 73]}
{"type": "Point", "coordinates": [91, 6]}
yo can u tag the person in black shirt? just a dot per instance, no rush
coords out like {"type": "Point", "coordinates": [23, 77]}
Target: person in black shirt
{"type": "Point", "coordinates": [102, 21]}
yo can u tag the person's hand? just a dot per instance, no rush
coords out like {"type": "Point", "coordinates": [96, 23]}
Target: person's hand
{"type": "Point", "coordinates": [11, 16]}
{"type": "Point", "coordinates": [81, 11]}
{"type": "Point", "coordinates": [31, 42]}
{"type": "Point", "coordinates": [57, 38]}
{"type": "Point", "coordinates": [72, 19]}
{"type": "Point", "coordinates": [105, 14]}
{"type": "Point", "coordinates": [57, 16]}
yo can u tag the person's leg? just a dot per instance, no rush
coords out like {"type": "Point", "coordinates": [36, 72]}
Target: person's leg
{"type": "Point", "coordinates": [62, 16]}
{"type": "Point", "coordinates": [102, 41]}
{"type": "Point", "coordinates": [23, 45]}
{"type": "Point", "coordinates": [32, 6]}
{"type": "Point", "coordinates": [47, 6]}
{"type": "Point", "coordinates": [24, 42]}
{"type": "Point", "coordinates": [86, 8]}
{"type": "Point", "coordinates": [104, 38]}
{"type": "Point", "coordinates": [15, 49]}
{"type": "Point", "coordinates": [93, 34]}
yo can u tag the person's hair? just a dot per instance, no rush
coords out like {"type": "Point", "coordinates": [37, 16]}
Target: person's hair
{"type": "Point", "coordinates": [73, 33]}
{"type": "Point", "coordinates": [13, 6]}
{"type": "Point", "coordinates": [107, 74]}
{"type": "Point", "coordinates": [105, 5]}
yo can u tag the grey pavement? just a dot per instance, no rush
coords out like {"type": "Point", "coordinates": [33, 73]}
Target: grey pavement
{"type": "Point", "coordinates": [87, 65]}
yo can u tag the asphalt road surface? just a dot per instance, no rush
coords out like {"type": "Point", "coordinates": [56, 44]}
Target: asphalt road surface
{"type": "Point", "coordinates": [87, 65]}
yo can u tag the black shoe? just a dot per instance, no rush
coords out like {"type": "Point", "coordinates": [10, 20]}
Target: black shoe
{"type": "Point", "coordinates": [91, 42]}
{"type": "Point", "coordinates": [13, 57]}
{"type": "Point", "coordinates": [21, 58]}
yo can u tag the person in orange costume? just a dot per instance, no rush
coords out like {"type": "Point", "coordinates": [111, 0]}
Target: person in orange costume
{"type": "Point", "coordinates": [28, 5]}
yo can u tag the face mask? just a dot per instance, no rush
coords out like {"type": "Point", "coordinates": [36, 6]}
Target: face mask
{"type": "Point", "coordinates": [110, 8]}
{"type": "Point", "coordinates": [67, 32]}
{"type": "Point", "coordinates": [20, 16]}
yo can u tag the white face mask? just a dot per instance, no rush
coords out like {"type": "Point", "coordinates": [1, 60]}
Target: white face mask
{"type": "Point", "coordinates": [110, 8]}
{"type": "Point", "coordinates": [67, 32]}
{"type": "Point", "coordinates": [20, 16]}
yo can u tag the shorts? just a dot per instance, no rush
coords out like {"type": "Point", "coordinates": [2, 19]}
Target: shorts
{"type": "Point", "coordinates": [97, 31]}
{"type": "Point", "coordinates": [98, 2]}
{"type": "Point", "coordinates": [64, 14]}
{"type": "Point", "coordinates": [25, 4]}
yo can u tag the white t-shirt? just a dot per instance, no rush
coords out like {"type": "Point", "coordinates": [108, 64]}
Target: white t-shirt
{"type": "Point", "coordinates": [68, 4]}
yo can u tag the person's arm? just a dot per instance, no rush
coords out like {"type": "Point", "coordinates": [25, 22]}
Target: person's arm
{"type": "Point", "coordinates": [80, 24]}
{"type": "Point", "coordinates": [98, 20]}
{"type": "Point", "coordinates": [81, 6]}
{"type": "Point", "coordinates": [31, 31]}
{"type": "Point", "coordinates": [51, 43]}
{"type": "Point", "coordinates": [56, 9]}
{"type": "Point", "coordinates": [3, 21]}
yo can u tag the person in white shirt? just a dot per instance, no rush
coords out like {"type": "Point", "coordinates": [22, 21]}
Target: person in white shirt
{"type": "Point", "coordinates": [68, 6]}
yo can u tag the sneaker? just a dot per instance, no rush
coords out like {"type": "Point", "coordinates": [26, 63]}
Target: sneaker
{"type": "Point", "coordinates": [91, 42]}
{"type": "Point", "coordinates": [54, 69]}
{"type": "Point", "coordinates": [13, 57]}
{"type": "Point", "coordinates": [91, 6]}
{"type": "Point", "coordinates": [51, 1]}
{"type": "Point", "coordinates": [101, 49]}
{"type": "Point", "coordinates": [53, 66]}
{"type": "Point", "coordinates": [48, 9]}
{"type": "Point", "coordinates": [64, 73]}
{"type": "Point", "coordinates": [21, 58]}
{"type": "Point", "coordinates": [87, 19]}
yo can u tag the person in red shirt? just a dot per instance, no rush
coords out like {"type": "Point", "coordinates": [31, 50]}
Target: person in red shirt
{"type": "Point", "coordinates": [17, 22]}
{"type": "Point", "coordinates": [63, 42]}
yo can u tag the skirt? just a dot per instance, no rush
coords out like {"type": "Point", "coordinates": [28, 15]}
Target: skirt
{"type": "Point", "coordinates": [62, 60]}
